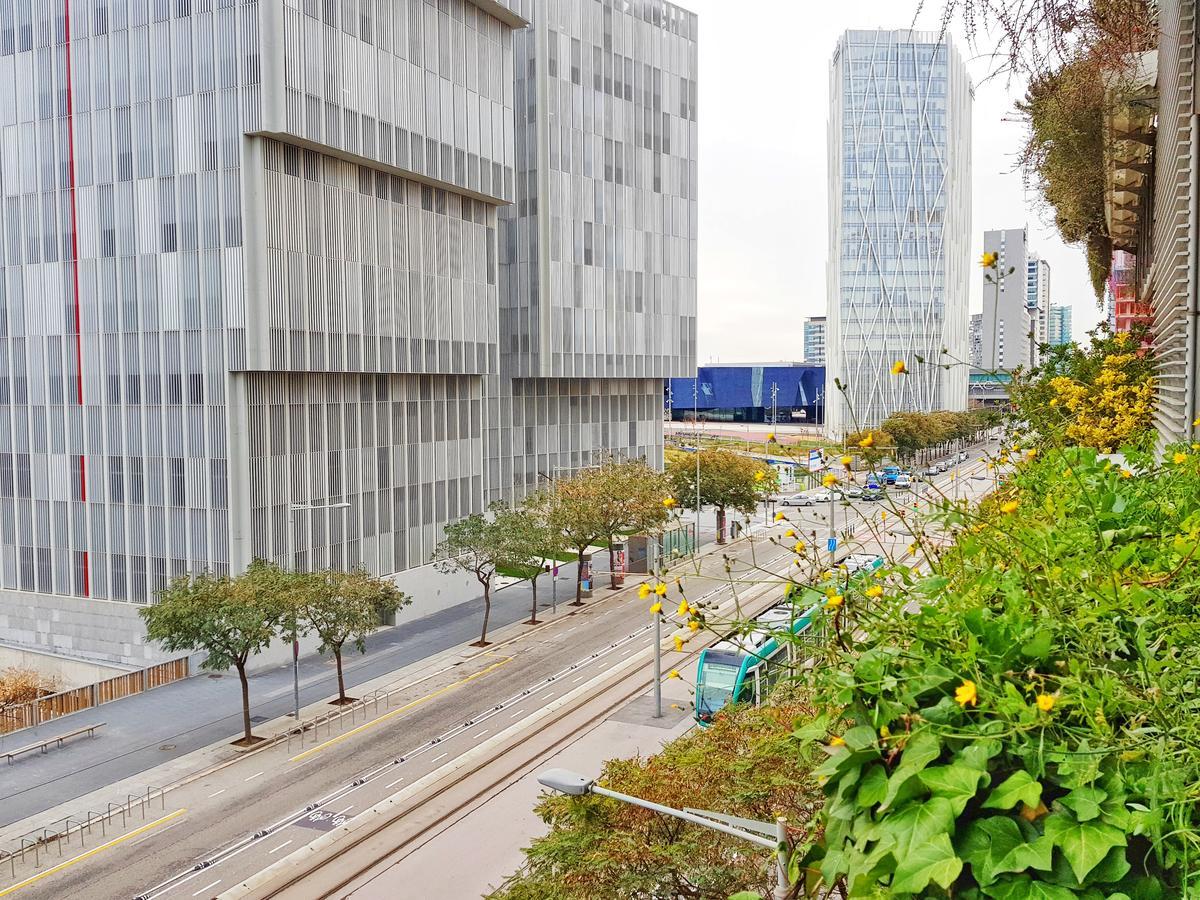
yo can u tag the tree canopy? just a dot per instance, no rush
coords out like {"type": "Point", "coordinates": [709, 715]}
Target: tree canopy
{"type": "Point", "coordinates": [479, 544]}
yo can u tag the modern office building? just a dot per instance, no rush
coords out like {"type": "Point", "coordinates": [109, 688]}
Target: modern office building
{"type": "Point", "coordinates": [900, 224]}
{"type": "Point", "coordinates": [814, 340]}
{"type": "Point", "coordinates": [1037, 302]}
{"type": "Point", "coordinates": [1007, 325]}
{"type": "Point", "coordinates": [975, 341]}
{"type": "Point", "coordinates": [598, 253]}
{"type": "Point", "coordinates": [1059, 330]}
{"type": "Point", "coordinates": [251, 285]}
{"type": "Point", "coordinates": [774, 394]}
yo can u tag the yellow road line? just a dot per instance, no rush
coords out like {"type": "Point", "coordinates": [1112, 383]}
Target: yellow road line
{"type": "Point", "coordinates": [82, 856]}
{"type": "Point", "coordinates": [396, 712]}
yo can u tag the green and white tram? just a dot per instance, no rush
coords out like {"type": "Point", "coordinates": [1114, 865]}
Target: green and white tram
{"type": "Point", "coordinates": [741, 667]}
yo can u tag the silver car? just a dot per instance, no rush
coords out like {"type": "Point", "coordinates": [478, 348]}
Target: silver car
{"type": "Point", "coordinates": [798, 500]}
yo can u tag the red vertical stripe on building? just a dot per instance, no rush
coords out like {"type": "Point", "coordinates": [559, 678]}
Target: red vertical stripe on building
{"type": "Point", "coordinates": [75, 267]}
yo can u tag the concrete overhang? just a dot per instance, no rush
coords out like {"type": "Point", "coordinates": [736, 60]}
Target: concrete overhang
{"type": "Point", "coordinates": [501, 11]}
{"type": "Point", "coordinates": [1130, 127]}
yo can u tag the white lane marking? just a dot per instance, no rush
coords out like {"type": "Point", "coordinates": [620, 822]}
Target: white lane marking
{"type": "Point", "coordinates": [394, 783]}
{"type": "Point", "coordinates": [519, 712]}
{"type": "Point", "coordinates": [344, 811]}
{"type": "Point", "coordinates": [579, 679]}
{"type": "Point", "coordinates": [480, 734]}
{"type": "Point", "coordinates": [280, 847]}
{"type": "Point", "coordinates": [569, 630]}
{"type": "Point", "coordinates": [255, 775]}
{"type": "Point", "coordinates": [206, 887]}
{"type": "Point", "coordinates": [221, 791]}
{"type": "Point", "coordinates": [443, 756]}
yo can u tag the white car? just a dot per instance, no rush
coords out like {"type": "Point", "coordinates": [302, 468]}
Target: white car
{"type": "Point", "coordinates": [903, 481]}
{"type": "Point", "coordinates": [798, 500]}
{"type": "Point", "coordinates": [821, 496]}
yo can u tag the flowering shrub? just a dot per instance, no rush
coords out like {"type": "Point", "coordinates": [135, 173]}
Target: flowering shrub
{"type": "Point", "coordinates": [1031, 730]}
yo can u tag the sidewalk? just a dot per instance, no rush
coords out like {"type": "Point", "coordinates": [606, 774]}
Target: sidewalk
{"type": "Point", "coordinates": [196, 715]}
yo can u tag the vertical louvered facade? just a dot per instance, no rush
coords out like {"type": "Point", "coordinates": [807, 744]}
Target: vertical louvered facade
{"type": "Point", "coordinates": [249, 260]}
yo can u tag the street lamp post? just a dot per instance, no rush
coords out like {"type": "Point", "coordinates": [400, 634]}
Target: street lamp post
{"type": "Point", "coordinates": [292, 510]}
{"type": "Point", "coordinates": [771, 836]}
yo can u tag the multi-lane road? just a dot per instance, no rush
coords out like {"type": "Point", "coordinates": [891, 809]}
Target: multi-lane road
{"type": "Point", "coordinates": [516, 700]}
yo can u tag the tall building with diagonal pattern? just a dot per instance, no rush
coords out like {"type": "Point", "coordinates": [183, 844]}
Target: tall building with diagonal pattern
{"type": "Point", "coordinates": [900, 226]}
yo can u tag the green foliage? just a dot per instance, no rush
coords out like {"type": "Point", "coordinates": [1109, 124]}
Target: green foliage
{"type": "Point", "coordinates": [747, 764]}
{"type": "Point", "coordinates": [1031, 730]}
{"type": "Point", "coordinates": [727, 480]}
{"type": "Point", "coordinates": [228, 618]}
{"type": "Point", "coordinates": [343, 606]}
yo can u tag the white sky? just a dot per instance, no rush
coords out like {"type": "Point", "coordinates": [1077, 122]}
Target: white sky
{"type": "Point", "coordinates": [764, 101]}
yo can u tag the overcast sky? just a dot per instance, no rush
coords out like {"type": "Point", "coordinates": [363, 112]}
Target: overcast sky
{"type": "Point", "coordinates": [764, 110]}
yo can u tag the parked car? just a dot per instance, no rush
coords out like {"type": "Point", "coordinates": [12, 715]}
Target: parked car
{"type": "Point", "coordinates": [821, 496]}
{"type": "Point", "coordinates": [903, 480]}
{"type": "Point", "coordinates": [943, 466]}
{"type": "Point", "coordinates": [872, 496]}
{"type": "Point", "coordinates": [962, 457]}
{"type": "Point", "coordinates": [932, 472]}
{"type": "Point", "coordinates": [852, 491]}
{"type": "Point", "coordinates": [798, 500]}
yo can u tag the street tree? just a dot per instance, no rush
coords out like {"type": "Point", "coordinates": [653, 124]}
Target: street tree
{"type": "Point", "coordinates": [341, 607]}
{"type": "Point", "coordinates": [634, 494]}
{"type": "Point", "coordinates": [576, 507]}
{"type": "Point", "coordinates": [728, 480]}
{"type": "Point", "coordinates": [533, 544]}
{"type": "Point", "coordinates": [229, 618]}
{"type": "Point", "coordinates": [478, 545]}
{"type": "Point", "coordinates": [20, 685]}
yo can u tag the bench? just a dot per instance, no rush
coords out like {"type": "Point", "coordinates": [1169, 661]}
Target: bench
{"type": "Point", "coordinates": [89, 730]}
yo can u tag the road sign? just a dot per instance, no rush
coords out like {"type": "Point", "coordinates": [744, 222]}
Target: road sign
{"type": "Point", "coordinates": [815, 460]}
{"type": "Point", "coordinates": [323, 820]}
{"type": "Point", "coordinates": [831, 545]}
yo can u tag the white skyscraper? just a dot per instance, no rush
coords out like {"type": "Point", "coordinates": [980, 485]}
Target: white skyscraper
{"type": "Point", "coordinates": [1007, 319]}
{"type": "Point", "coordinates": [1037, 301]}
{"type": "Point", "coordinates": [900, 225]}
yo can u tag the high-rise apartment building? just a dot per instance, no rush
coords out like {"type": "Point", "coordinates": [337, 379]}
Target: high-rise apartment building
{"type": "Point", "coordinates": [1008, 331]}
{"type": "Point", "coordinates": [1059, 330]}
{"type": "Point", "coordinates": [252, 277]}
{"type": "Point", "coordinates": [1037, 302]}
{"type": "Point", "coordinates": [975, 340]}
{"type": "Point", "coordinates": [814, 340]}
{"type": "Point", "coordinates": [598, 253]}
{"type": "Point", "coordinates": [900, 221]}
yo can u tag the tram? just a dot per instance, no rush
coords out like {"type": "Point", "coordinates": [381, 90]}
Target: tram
{"type": "Point", "coordinates": [741, 667]}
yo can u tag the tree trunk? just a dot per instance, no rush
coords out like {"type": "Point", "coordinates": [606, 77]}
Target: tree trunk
{"type": "Point", "coordinates": [578, 601]}
{"type": "Point", "coordinates": [337, 655]}
{"type": "Point", "coordinates": [487, 611]}
{"type": "Point", "coordinates": [247, 734]}
{"type": "Point", "coordinates": [533, 619]}
{"type": "Point", "coordinates": [720, 524]}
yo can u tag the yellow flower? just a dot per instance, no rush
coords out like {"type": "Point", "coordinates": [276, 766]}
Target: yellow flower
{"type": "Point", "coordinates": [1125, 473]}
{"type": "Point", "coordinates": [884, 731]}
{"type": "Point", "coordinates": [883, 515]}
{"type": "Point", "coordinates": [836, 742]}
{"type": "Point", "coordinates": [790, 533]}
{"type": "Point", "coordinates": [874, 591]}
{"type": "Point", "coordinates": [678, 643]}
{"type": "Point", "coordinates": [683, 608]}
{"type": "Point", "coordinates": [668, 502]}
{"type": "Point", "coordinates": [834, 600]}
{"type": "Point", "coordinates": [779, 517]}
{"type": "Point", "coordinates": [1196, 446]}
{"type": "Point", "coordinates": [1180, 458]}
{"type": "Point", "coordinates": [847, 461]}
{"type": "Point", "coordinates": [868, 441]}
{"type": "Point", "coordinates": [829, 480]}
{"type": "Point", "coordinates": [1197, 423]}
{"type": "Point", "coordinates": [1010, 507]}
{"type": "Point", "coordinates": [988, 260]}
{"type": "Point", "coordinates": [760, 475]}
{"type": "Point", "coordinates": [674, 673]}
{"type": "Point", "coordinates": [694, 625]}
{"type": "Point", "coordinates": [899, 368]}
{"type": "Point", "coordinates": [643, 591]}
{"type": "Point", "coordinates": [799, 548]}
{"type": "Point", "coordinates": [1045, 702]}
{"type": "Point", "coordinates": [1031, 453]}
{"type": "Point", "coordinates": [1066, 473]}
{"type": "Point", "coordinates": [770, 437]}
{"type": "Point", "coordinates": [912, 549]}
{"type": "Point", "coordinates": [660, 589]}
{"type": "Point", "coordinates": [965, 694]}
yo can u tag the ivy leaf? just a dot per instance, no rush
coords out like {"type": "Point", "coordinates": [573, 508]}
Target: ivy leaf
{"type": "Point", "coordinates": [957, 783]}
{"type": "Point", "coordinates": [1038, 647]}
{"type": "Point", "coordinates": [977, 753]}
{"type": "Point", "coordinates": [922, 749]}
{"type": "Point", "coordinates": [986, 843]}
{"type": "Point", "coordinates": [1084, 802]}
{"type": "Point", "coordinates": [1025, 888]}
{"type": "Point", "coordinates": [871, 787]}
{"type": "Point", "coordinates": [918, 824]}
{"type": "Point", "coordinates": [1019, 787]}
{"type": "Point", "coordinates": [931, 861]}
{"type": "Point", "coordinates": [812, 731]}
{"type": "Point", "coordinates": [1084, 844]}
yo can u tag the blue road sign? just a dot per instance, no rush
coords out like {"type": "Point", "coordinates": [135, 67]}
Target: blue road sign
{"type": "Point", "coordinates": [832, 544]}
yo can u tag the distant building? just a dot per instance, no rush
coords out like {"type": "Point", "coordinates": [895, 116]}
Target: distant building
{"type": "Point", "coordinates": [899, 224]}
{"type": "Point", "coordinates": [776, 393]}
{"type": "Point", "coordinates": [1059, 329]}
{"type": "Point", "coordinates": [1006, 320]}
{"type": "Point", "coordinates": [975, 341]}
{"type": "Point", "coordinates": [814, 341]}
{"type": "Point", "coordinates": [1037, 302]}
{"type": "Point", "coordinates": [1128, 310]}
